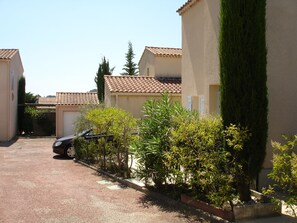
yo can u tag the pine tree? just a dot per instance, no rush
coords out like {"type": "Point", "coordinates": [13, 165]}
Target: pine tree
{"type": "Point", "coordinates": [130, 68]}
{"type": "Point", "coordinates": [243, 81]}
{"type": "Point", "coordinates": [103, 69]}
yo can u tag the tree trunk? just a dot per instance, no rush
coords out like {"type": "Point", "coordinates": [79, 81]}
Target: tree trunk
{"type": "Point", "coordinates": [243, 187]}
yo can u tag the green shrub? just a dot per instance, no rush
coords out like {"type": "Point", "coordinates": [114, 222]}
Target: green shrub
{"type": "Point", "coordinates": [155, 139]}
{"type": "Point", "coordinates": [200, 159]}
{"type": "Point", "coordinates": [284, 171]}
{"type": "Point", "coordinates": [122, 126]}
{"type": "Point", "coordinates": [85, 150]}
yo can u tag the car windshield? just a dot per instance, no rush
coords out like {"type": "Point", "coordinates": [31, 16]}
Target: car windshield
{"type": "Point", "coordinates": [84, 132]}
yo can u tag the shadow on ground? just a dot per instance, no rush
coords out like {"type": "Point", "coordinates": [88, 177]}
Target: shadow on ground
{"type": "Point", "coordinates": [169, 205]}
{"type": "Point", "coordinates": [8, 143]}
{"type": "Point", "coordinates": [61, 157]}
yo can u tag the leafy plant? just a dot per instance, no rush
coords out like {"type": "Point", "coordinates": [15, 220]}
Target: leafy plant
{"type": "Point", "coordinates": [115, 124]}
{"type": "Point", "coordinates": [200, 159]}
{"type": "Point", "coordinates": [154, 139]}
{"type": "Point", "coordinates": [284, 171]}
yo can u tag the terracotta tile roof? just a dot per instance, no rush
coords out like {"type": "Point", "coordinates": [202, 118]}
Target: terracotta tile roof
{"type": "Point", "coordinates": [141, 84]}
{"type": "Point", "coordinates": [186, 6]}
{"type": "Point", "coordinates": [46, 101]}
{"type": "Point", "coordinates": [165, 51]}
{"type": "Point", "coordinates": [7, 54]}
{"type": "Point", "coordinates": [76, 98]}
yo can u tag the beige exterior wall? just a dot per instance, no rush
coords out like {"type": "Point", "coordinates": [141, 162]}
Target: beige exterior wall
{"type": "Point", "coordinates": [200, 63]}
{"type": "Point", "coordinates": [4, 93]}
{"type": "Point", "coordinates": [147, 64]}
{"type": "Point", "coordinates": [151, 65]}
{"type": "Point", "coordinates": [281, 70]}
{"type": "Point", "coordinates": [10, 73]}
{"type": "Point", "coordinates": [60, 109]}
{"type": "Point", "coordinates": [133, 103]}
{"type": "Point", "coordinates": [168, 66]}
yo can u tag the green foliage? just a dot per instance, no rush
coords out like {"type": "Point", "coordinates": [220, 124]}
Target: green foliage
{"type": "Point", "coordinates": [85, 150]}
{"type": "Point", "coordinates": [243, 81]}
{"type": "Point", "coordinates": [130, 68]}
{"type": "Point", "coordinates": [38, 122]}
{"type": "Point", "coordinates": [110, 155]}
{"type": "Point", "coordinates": [30, 98]}
{"type": "Point", "coordinates": [155, 139]}
{"type": "Point", "coordinates": [200, 159]}
{"type": "Point", "coordinates": [21, 102]}
{"type": "Point", "coordinates": [103, 69]}
{"type": "Point", "coordinates": [81, 123]}
{"type": "Point", "coordinates": [284, 171]}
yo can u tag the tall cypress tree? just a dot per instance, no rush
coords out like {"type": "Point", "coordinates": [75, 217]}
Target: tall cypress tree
{"type": "Point", "coordinates": [243, 81]}
{"type": "Point", "coordinates": [103, 69]}
{"type": "Point", "coordinates": [21, 103]}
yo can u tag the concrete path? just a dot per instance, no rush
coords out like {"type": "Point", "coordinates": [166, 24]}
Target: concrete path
{"type": "Point", "coordinates": [38, 186]}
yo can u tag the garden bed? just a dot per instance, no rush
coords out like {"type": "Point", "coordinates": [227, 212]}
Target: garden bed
{"type": "Point", "coordinates": [259, 207]}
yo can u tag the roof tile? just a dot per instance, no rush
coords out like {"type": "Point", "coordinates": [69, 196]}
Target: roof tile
{"type": "Point", "coordinates": [7, 54]}
{"type": "Point", "coordinates": [186, 6]}
{"type": "Point", "coordinates": [165, 51]}
{"type": "Point", "coordinates": [141, 84]}
{"type": "Point", "coordinates": [76, 98]}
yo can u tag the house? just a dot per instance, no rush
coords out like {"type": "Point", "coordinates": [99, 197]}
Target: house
{"type": "Point", "coordinates": [160, 62]}
{"type": "Point", "coordinates": [131, 92]}
{"type": "Point", "coordinates": [200, 64]}
{"type": "Point", "coordinates": [159, 72]}
{"type": "Point", "coordinates": [68, 106]}
{"type": "Point", "coordinates": [11, 70]}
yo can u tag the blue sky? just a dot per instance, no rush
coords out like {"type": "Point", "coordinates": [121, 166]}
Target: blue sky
{"type": "Point", "coordinates": [61, 42]}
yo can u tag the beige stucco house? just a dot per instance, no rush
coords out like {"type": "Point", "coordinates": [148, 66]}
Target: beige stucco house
{"type": "Point", "coordinates": [159, 72]}
{"type": "Point", "coordinates": [200, 64]}
{"type": "Point", "coordinates": [160, 62]}
{"type": "Point", "coordinates": [68, 109]}
{"type": "Point", "coordinates": [11, 70]}
{"type": "Point", "coordinates": [131, 92]}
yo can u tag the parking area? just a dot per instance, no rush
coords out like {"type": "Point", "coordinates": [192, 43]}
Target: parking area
{"type": "Point", "coordinates": [38, 186]}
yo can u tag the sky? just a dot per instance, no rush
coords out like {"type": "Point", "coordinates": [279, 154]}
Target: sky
{"type": "Point", "coordinates": [62, 42]}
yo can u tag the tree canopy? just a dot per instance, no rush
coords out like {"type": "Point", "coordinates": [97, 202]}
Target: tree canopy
{"type": "Point", "coordinates": [130, 68]}
{"type": "Point", "coordinates": [103, 69]}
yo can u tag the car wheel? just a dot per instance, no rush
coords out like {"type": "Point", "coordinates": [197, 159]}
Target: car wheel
{"type": "Point", "coordinates": [70, 152]}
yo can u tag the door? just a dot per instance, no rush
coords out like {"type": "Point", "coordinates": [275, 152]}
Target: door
{"type": "Point", "coordinates": [68, 122]}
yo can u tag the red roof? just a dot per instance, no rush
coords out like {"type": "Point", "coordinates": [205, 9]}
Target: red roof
{"type": "Point", "coordinates": [165, 51]}
{"type": "Point", "coordinates": [76, 98]}
{"type": "Point", "coordinates": [141, 84]}
{"type": "Point", "coordinates": [7, 54]}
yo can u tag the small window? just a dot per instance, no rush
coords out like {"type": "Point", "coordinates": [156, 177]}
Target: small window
{"type": "Point", "coordinates": [147, 71]}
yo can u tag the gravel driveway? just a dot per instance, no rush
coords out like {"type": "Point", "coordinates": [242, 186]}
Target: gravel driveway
{"type": "Point", "coordinates": [38, 186]}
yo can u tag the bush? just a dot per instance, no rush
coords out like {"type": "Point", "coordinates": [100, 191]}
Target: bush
{"type": "Point", "coordinates": [284, 171]}
{"type": "Point", "coordinates": [115, 123]}
{"type": "Point", "coordinates": [155, 139]}
{"type": "Point", "coordinates": [85, 150]}
{"type": "Point", "coordinates": [200, 159]}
